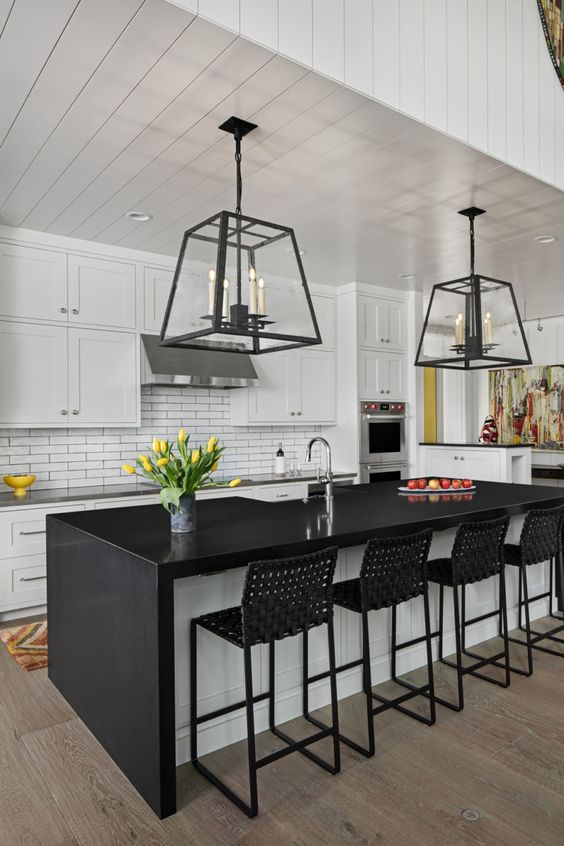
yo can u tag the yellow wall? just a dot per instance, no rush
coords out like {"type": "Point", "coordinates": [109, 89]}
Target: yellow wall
{"type": "Point", "coordinates": [429, 404]}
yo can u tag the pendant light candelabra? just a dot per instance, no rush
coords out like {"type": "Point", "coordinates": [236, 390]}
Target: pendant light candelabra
{"type": "Point", "coordinates": [473, 322]}
{"type": "Point", "coordinates": [239, 284]}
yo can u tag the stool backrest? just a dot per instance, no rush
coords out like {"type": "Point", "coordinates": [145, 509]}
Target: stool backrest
{"type": "Point", "coordinates": [541, 534]}
{"type": "Point", "coordinates": [477, 551]}
{"type": "Point", "coordinates": [285, 596]}
{"type": "Point", "coordinates": [393, 570]}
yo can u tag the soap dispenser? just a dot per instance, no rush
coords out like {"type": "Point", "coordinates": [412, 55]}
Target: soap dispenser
{"type": "Point", "coordinates": [280, 462]}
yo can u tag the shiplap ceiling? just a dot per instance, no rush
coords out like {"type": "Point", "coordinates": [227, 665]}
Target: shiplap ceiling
{"type": "Point", "coordinates": [111, 106]}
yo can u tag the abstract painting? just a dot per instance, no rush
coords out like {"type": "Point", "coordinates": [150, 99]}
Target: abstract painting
{"type": "Point", "coordinates": [527, 404]}
{"type": "Point", "coordinates": [552, 18]}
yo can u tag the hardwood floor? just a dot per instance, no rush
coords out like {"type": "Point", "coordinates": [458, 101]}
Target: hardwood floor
{"type": "Point", "coordinates": [503, 756]}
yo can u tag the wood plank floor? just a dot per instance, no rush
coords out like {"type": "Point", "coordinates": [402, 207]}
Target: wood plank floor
{"type": "Point", "coordinates": [503, 756]}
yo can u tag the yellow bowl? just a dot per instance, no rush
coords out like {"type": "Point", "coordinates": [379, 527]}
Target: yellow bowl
{"type": "Point", "coordinates": [20, 482]}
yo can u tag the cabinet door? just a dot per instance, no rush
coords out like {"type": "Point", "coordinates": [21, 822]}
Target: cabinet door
{"type": "Point", "coordinates": [33, 374]}
{"type": "Point", "coordinates": [372, 374]}
{"type": "Point", "coordinates": [103, 377]}
{"type": "Point", "coordinates": [396, 325]}
{"type": "Point", "coordinates": [396, 376]}
{"type": "Point", "coordinates": [372, 318]}
{"type": "Point", "coordinates": [316, 386]}
{"type": "Point", "coordinates": [324, 308]}
{"type": "Point", "coordinates": [480, 464]}
{"type": "Point", "coordinates": [33, 283]}
{"type": "Point", "coordinates": [439, 461]}
{"type": "Point", "coordinates": [157, 285]}
{"type": "Point", "coordinates": [274, 399]}
{"type": "Point", "coordinates": [101, 292]}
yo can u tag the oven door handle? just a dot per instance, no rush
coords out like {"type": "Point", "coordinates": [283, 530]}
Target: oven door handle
{"type": "Point", "coordinates": [384, 416]}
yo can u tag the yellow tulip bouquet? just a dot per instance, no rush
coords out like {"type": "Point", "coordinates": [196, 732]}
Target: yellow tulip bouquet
{"type": "Point", "coordinates": [183, 474]}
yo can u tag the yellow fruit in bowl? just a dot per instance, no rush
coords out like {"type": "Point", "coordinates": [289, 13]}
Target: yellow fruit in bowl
{"type": "Point", "coordinates": [20, 482]}
{"type": "Point", "coordinates": [434, 484]}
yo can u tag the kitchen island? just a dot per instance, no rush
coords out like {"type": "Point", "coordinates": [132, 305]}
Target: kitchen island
{"type": "Point", "coordinates": [121, 591]}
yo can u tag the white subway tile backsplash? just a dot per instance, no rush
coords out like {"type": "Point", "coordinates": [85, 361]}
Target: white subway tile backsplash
{"type": "Point", "coordinates": [88, 457]}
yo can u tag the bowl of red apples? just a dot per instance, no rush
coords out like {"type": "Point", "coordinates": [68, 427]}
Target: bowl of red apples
{"type": "Point", "coordinates": [435, 485]}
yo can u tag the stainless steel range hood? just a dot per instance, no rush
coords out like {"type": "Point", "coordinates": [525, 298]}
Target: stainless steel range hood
{"type": "Point", "coordinates": [200, 368]}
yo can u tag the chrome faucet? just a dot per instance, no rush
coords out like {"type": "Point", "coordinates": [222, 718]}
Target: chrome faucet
{"type": "Point", "coordinates": [327, 479]}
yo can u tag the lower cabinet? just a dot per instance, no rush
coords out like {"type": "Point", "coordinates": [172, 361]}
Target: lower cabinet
{"type": "Point", "coordinates": [480, 463]}
{"type": "Point", "coordinates": [58, 376]}
{"type": "Point", "coordinates": [297, 386]}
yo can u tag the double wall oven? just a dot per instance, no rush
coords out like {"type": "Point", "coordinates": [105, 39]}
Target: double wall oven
{"type": "Point", "coordinates": [383, 443]}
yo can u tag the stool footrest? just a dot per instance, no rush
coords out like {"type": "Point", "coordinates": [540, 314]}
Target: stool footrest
{"type": "Point", "coordinates": [237, 706]}
{"type": "Point", "coordinates": [296, 746]}
{"type": "Point", "coordinates": [481, 617]}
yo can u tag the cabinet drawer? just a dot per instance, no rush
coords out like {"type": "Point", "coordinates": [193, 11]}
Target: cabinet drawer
{"type": "Point", "coordinates": [23, 532]}
{"type": "Point", "coordinates": [23, 582]}
{"type": "Point", "coordinates": [127, 503]}
{"type": "Point", "coordinates": [279, 493]}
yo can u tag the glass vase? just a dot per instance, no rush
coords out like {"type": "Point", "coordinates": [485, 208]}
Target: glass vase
{"type": "Point", "coordinates": [183, 518]}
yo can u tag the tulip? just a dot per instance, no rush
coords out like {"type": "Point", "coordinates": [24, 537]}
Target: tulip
{"type": "Point", "coordinates": [147, 466]}
{"type": "Point", "coordinates": [161, 462]}
{"type": "Point", "coordinates": [195, 456]}
{"type": "Point", "coordinates": [127, 468]}
{"type": "Point", "coordinates": [142, 458]}
{"type": "Point", "coordinates": [181, 436]}
{"type": "Point", "coordinates": [234, 482]}
{"type": "Point", "coordinates": [214, 466]}
{"type": "Point", "coordinates": [164, 446]}
{"type": "Point", "coordinates": [211, 443]}
{"type": "Point", "coordinates": [156, 444]}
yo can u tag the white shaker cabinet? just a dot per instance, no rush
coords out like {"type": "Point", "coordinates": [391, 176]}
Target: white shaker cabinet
{"type": "Point", "coordinates": [33, 374]}
{"type": "Point", "coordinates": [53, 375]}
{"type": "Point", "coordinates": [381, 323]}
{"type": "Point", "coordinates": [33, 283]}
{"type": "Point", "coordinates": [315, 386]}
{"type": "Point", "coordinates": [101, 292]}
{"type": "Point", "coordinates": [381, 374]}
{"type": "Point", "coordinates": [488, 464]}
{"type": "Point", "coordinates": [102, 384]}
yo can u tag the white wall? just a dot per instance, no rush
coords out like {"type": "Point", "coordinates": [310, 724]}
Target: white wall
{"type": "Point", "coordinates": [476, 69]}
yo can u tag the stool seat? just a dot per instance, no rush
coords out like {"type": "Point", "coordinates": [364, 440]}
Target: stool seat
{"type": "Point", "coordinates": [512, 554]}
{"type": "Point", "coordinates": [440, 570]}
{"type": "Point", "coordinates": [347, 595]}
{"type": "Point", "coordinates": [227, 623]}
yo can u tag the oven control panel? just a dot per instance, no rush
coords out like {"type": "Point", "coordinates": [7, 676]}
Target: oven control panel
{"type": "Point", "coordinates": [378, 407]}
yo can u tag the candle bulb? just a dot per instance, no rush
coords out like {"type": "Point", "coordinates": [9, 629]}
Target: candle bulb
{"type": "Point", "coordinates": [211, 291]}
{"type": "Point", "coordinates": [261, 297]}
{"type": "Point", "coordinates": [459, 330]}
{"type": "Point", "coordinates": [252, 290]}
{"type": "Point", "coordinates": [225, 311]}
{"type": "Point", "coordinates": [488, 328]}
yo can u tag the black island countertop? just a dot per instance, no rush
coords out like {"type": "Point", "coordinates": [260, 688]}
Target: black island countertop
{"type": "Point", "coordinates": [475, 445]}
{"type": "Point", "coordinates": [111, 598]}
{"type": "Point", "coordinates": [233, 531]}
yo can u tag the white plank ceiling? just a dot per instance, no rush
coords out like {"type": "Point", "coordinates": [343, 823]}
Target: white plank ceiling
{"type": "Point", "coordinates": [108, 107]}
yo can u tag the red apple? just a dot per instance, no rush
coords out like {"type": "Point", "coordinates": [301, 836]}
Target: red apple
{"type": "Point", "coordinates": [467, 483]}
{"type": "Point", "coordinates": [456, 484]}
{"type": "Point", "coordinates": [412, 484]}
{"type": "Point", "coordinates": [445, 484]}
{"type": "Point", "coordinates": [434, 484]}
{"type": "Point", "coordinates": [422, 484]}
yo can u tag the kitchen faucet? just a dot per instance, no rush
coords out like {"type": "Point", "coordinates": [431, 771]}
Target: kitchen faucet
{"type": "Point", "coordinates": [327, 479]}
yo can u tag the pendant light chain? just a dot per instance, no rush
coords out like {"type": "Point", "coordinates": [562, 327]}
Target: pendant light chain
{"type": "Point", "coordinates": [472, 246]}
{"type": "Point", "coordinates": [238, 167]}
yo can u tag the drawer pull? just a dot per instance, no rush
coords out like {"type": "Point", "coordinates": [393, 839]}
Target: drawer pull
{"type": "Point", "coordinates": [456, 458]}
{"type": "Point", "coordinates": [31, 578]}
{"type": "Point", "coordinates": [281, 496]}
{"type": "Point", "coordinates": [36, 532]}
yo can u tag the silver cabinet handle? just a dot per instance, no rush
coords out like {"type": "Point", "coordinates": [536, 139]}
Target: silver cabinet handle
{"type": "Point", "coordinates": [63, 310]}
{"type": "Point", "coordinates": [76, 311]}
{"type": "Point", "coordinates": [462, 458]}
{"type": "Point", "coordinates": [31, 578]}
{"type": "Point", "coordinates": [292, 413]}
{"type": "Point", "coordinates": [381, 340]}
{"type": "Point", "coordinates": [388, 391]}
{"type": "Point", "coordinates": [75, 411]}
{"type": "Point", "coordinates": [35, 532]}
{"type": "Point", "coordinates": [64, 411]}
{"type": "Point", "coordinates": [281, 496]}
{"type": "Point", "coordinates": [299, 413]}
{"type": "Point", "coordinates": [456, 458]}
{"type": "Point", "coordinates": [382, 390]}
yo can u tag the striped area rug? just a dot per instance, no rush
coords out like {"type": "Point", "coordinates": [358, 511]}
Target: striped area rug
{"type": "Point", "coordinates": [27, 644]}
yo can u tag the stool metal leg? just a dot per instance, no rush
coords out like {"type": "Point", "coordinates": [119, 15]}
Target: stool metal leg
{"type": "Point", "coordinates": [441, 620]}
{"type": "Point", "coordinates": [334, 703]}
{"type": "Point", "coordinates": [251, 750]}
{"type": "Point", "coordinates": [305, 674]}
{"type": "Point", "coordinates": [429, 656]}
{"type": "Point", "coordinates": [193, 691]}
{"type": "Point", "coordinates": [271, 686]}
{"type": "Point", "coordinates": [458, 649]}
{"type": "Point", "coordinates": [492, 660]}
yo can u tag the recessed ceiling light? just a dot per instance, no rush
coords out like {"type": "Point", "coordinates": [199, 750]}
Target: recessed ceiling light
{"type": "Point", "coordinates": [139, 216]}
{"type": "Point", "coordinates": [290, 251]}
{"type": "Point", "coordinates": [407, 276]}
{"type": "Point", "coordinates": [546, 239]}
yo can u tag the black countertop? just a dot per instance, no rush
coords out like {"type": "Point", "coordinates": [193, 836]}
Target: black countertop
{"type": "Point", "coordinates": [233, 531]}
{"type": "Point", "coordinates": [61, 495]}
{"type": "Point", "coordinates": [480, 446]}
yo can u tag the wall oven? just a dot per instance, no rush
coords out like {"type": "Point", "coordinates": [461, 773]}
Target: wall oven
{"type": "Point", "coordinates": [383, 443]}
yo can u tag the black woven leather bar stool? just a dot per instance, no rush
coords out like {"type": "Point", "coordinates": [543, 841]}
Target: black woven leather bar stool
{"type": "Point", "coordinates": [477, 554]}
{"type": "Point", "coordinates": [393, 571]}
{"type": "Point", "coordinates": [281, 598]}
{"type": "Point", "coordinates": [541, 540]}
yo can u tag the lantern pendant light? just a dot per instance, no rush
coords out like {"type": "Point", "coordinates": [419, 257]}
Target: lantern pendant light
{"type": "Point", "coordinates": [473, 322]}
{"type": "Point", "coordinates": [239, 284]}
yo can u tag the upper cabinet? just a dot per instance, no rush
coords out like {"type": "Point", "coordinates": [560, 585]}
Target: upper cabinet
{"type": "Point", "coordinates": [381, 374]}
{"type": "Point", "coordinates": [157, 282]}
{"type": "Point", "coordinates": [381, 323]}
{"type": "Point", "coordinates": [33, 283]}
{"type": "Point", "coordinates": [101, 292]}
